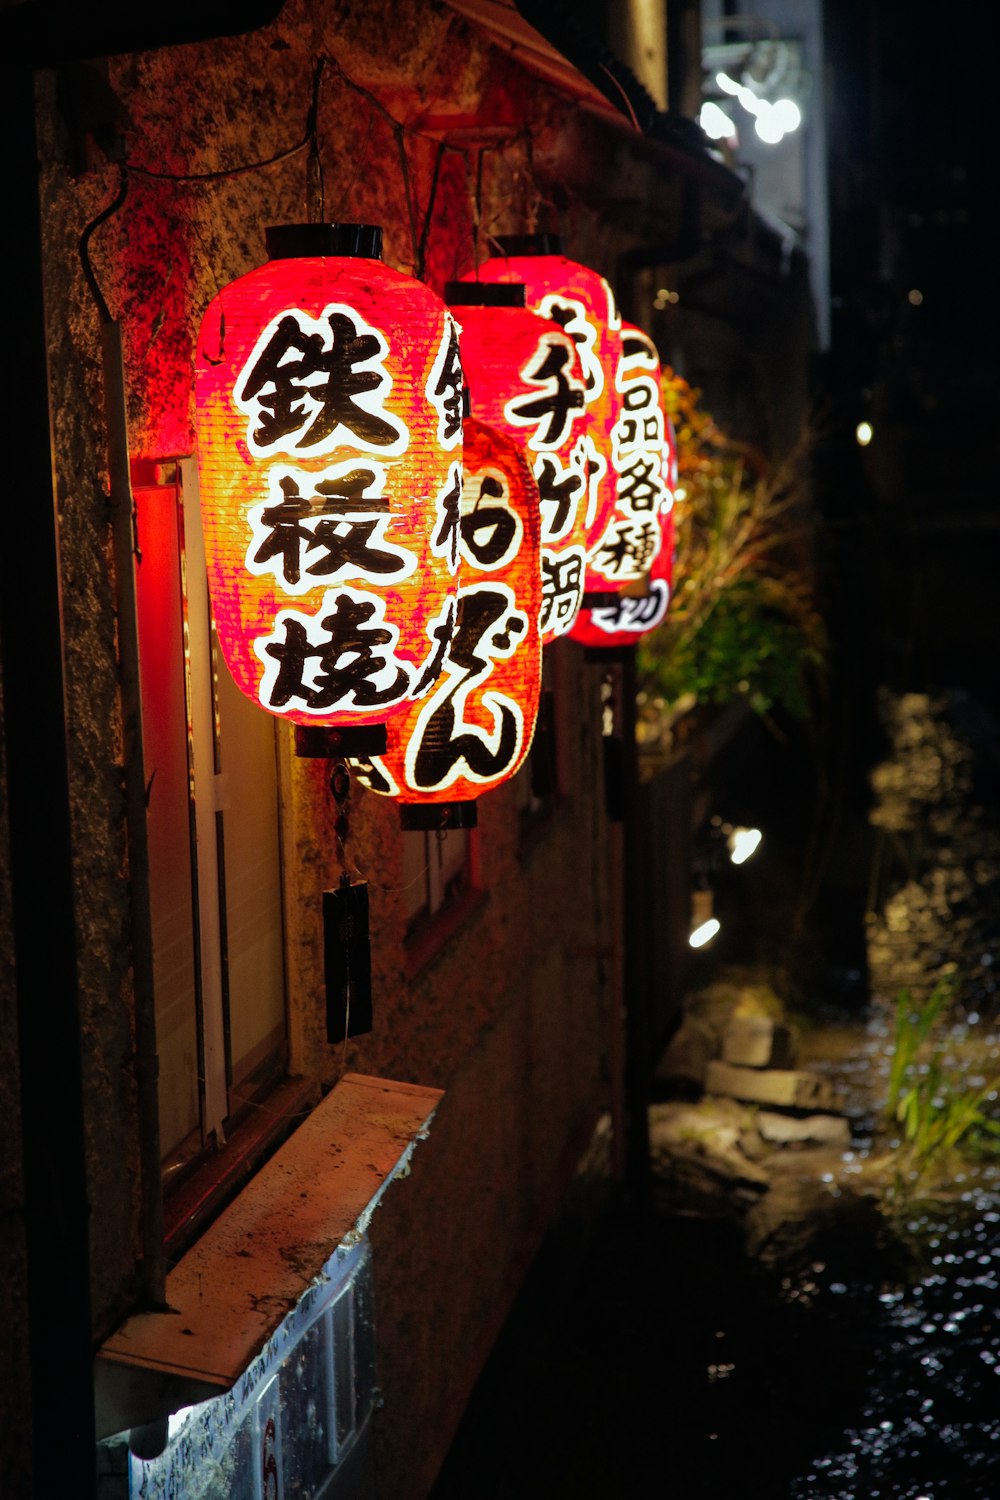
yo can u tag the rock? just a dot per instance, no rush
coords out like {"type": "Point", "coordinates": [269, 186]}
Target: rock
{"type": "Point", "coordinates": [757, 1042]}
{"type": "Point", "coordinates": [698, 1160]}
{"type": "Point", "coordinates": [793, 1089]}
{"type": "Point", "coordinates": [813, 1130]}
{"type": "Point", "coordinates": [688, 1053]}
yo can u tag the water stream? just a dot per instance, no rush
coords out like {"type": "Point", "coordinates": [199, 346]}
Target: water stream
{"type": "Point", "coordinates": [663, 1361]}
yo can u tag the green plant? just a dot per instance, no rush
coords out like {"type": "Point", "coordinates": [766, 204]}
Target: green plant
{"type": "Point", "coordinates": [743, 620]}
{"type": "Point", "coordinates": [934, 1102]}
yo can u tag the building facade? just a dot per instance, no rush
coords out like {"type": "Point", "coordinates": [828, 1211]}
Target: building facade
{"type": "Point", "coordinates": [200, 1163]}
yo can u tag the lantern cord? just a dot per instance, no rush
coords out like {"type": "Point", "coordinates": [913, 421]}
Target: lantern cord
{"type": "Point", "coordinates": [314, 168]}
{"type": "Point", "coordinates": [429, 213]}
{"type": "Point", "coordinates": [404, 167]}
{"type": "Point", "coordinates": [340, 789]}
{"type": "Point", "coordinates": [219, 176]}
{"type": "Point", "coordinates": [477, 201]}
{"type": "Point", "coordinates": [307, 141]}
{"type": "Point", "coordinates": [106, 213]}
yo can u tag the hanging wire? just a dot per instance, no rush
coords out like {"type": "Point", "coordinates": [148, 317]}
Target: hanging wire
{"type": "Point", "coordinates": [315, 190]}
{"type": "Point", "coordinates": [316, 187]}
{"type": "Point", "coordinates": [223, 173]}
{"type": "Point", "coordinates": [105, 214]}
{"type": "Point", "coordinates": [404, 167]}
{"type": "Point", "coordinates": [421, 260]}
{"type": "Point", "coordinates": [477, 205]}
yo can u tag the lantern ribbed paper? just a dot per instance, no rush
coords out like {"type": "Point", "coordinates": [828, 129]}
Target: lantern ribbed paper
{"type": "Point", "coordinates": [329, 422]}
{"type": "Point", "coordinates": [582, 303]}
{"type": "Point", "coordinates": [637, 551]}
{"type": "Point", "coordinates": [524, 377]}
{"type": "Point", "coordinates": [640, 459]}
{"type": "Point", "coordinates": [474, 727]}
{"type": "Point", "coordinates": [633, 614]}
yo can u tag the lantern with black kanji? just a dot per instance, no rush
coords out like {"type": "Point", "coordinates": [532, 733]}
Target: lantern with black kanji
{"type": "Point", "coordinates": [635, 611]}
{"type": "Point", "coordinates": [474, 727]}
{"type": "Point", "coordinates": [329, 422]}
{"type": "Point", "coordinates": [635, 554]}
{"type": "Point", "coordinates": [524, 377]}
{"type": "Point", "coordinates": [583, 304]}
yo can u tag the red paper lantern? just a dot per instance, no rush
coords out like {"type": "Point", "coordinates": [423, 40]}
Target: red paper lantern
{"type": "Point", "coordinates": [637, 551]}
{"type": "Point", "coordinates": [617, 625]}
{"type": "Point", "coordinates": [640, 457]}
{"type": "Point", "coordinates": [329, 422]}
{"type": "Point", "coordinates": [582, 302]}
{"type": "Point", "coordinates": [474, 727]}
{"type": "Point", "coordinates": [524, 377]}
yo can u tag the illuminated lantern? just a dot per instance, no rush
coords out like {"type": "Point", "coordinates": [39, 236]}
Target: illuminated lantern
{"type": "Point", "coordinates": [474, 727]}
{"type": "Point", "coordinates": [329, 423]}
{"type": "Point", "coordinates": [641, 533]}
{"type": "Point", "coordinates": [633, 614]}
{"type": "Point", "coordinates": [643, 457]}
{"type": "Point", "coordinates": [582, 302]}
{"type": "Point", "coordinates": [524, 377]}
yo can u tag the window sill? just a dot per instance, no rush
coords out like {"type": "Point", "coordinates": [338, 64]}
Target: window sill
{"type": "Point", "coordinates": [214, 1182]}
{"type": "Point", "coordinates": [232, 1291]}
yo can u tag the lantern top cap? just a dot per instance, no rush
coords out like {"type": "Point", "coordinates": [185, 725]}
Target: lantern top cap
{"type": "Point", "coordinates": [300, 241]}
{"type": "Point", "coordinates": [529, 244]}
{"type": "Point", "coordinates": [484, 293]}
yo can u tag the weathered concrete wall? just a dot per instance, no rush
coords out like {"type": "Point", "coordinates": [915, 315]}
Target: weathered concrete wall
{"type": "Point", "coordinates": [511, 1016]}
{"type": "Point", "coordinates": [15, 1405]}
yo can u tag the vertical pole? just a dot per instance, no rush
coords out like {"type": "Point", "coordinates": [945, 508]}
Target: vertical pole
{"type": "Point", "coordinates": [684, 58]}
{"type": "Point", "coordinates": [636, 967]}
{"type": "Point", "coordinates": [55, 1206]}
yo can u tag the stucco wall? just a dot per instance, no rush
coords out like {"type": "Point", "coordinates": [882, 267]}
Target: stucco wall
{"type": "Point", "coordinates": [511, 1015]}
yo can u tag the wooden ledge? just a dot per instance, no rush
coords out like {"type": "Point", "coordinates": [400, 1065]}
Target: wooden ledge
{"type": "Point", "coordinates": [231, 1292]}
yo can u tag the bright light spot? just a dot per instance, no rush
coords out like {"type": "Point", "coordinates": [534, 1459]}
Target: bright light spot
{"type": "Point", "coordinates": [715, 122]}
{"type": "Point", "coordinates": [914, 297]}
{"type": "Point", "coordinates": [767, 126]}
{"type": "Point", "coordinates": [787, 114]}
{"type": "Point", "coordinates": [705, 933]}
{"type": "Point", "coordinates": [742, 843]}
{"type": "Point", "coordinates": [864, 432]}
{"type": "Point", "coordinates": [176, 1421]}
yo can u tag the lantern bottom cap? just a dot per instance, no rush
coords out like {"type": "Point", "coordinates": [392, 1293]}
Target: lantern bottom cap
{"type": "Point", "coordinates": [336, 741]}
{"type": "Point", "coordinates": [429, 817]}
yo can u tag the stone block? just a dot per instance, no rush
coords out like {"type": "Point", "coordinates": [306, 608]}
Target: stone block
{"type": "Point", "coordinates": [793, 1089]}
{"type": "Point", "coordinates": [757, 1042]}
{"type": "Point", "coordinates": [813, 1130]}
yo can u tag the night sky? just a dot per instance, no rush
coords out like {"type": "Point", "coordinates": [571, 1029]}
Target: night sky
{"type": "Point", "coordinates": [911, 278]}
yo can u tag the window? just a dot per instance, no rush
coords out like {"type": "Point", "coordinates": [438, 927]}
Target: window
{"type": "Point", "coordinates": [214, 842]}
{"type": "Point", "coordinates": [435, 871]}
{"type": "Point", "coordinates": [440, 889]}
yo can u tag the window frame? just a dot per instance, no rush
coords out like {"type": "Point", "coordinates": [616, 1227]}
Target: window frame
{"type": "Point", "coordinates": [202, 1171]}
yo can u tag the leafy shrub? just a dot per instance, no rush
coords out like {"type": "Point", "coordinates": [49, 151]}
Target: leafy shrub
{"type": "Point", "coordinates": [743, 620]}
